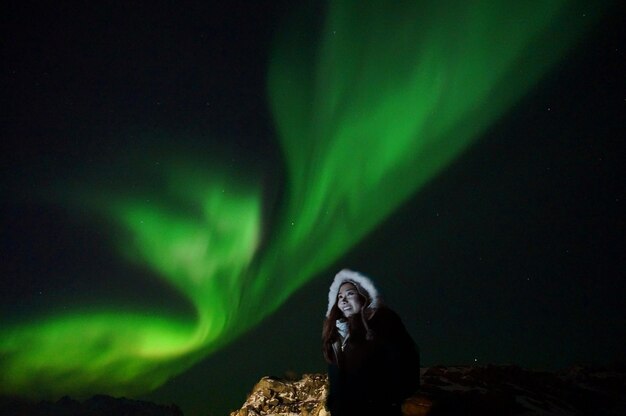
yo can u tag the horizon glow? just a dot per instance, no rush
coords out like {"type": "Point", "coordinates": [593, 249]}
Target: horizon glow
{"type": "Point", "coordinates": [384, 98]}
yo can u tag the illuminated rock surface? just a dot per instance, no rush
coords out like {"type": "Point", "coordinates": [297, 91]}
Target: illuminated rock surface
{"type": "Point", "coordinates": [275, 396]}
{"type": "Point", "coordinates": [489, 390]}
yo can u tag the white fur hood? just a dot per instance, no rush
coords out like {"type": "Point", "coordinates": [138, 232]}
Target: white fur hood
{"type": "Point", "coordinates": [362, 282]}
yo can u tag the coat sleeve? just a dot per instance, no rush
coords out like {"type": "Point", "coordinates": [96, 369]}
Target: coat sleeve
{"type": "Point", "coordinates": [334, 390]}
{"type": "Point", "coordinates": [401, 355]}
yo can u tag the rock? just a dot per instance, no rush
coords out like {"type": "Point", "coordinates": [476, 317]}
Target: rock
{"type": "Point", "coordinates": [463, 390]}
{"type": "Point", "coordinates": [272, 396]}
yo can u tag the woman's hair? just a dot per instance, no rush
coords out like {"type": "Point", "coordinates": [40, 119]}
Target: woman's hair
{"type": "Point", "coordinates": [330, 333]}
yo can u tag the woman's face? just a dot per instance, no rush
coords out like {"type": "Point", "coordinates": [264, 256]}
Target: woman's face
{"type": "Point", "coordinates": [348, 300]}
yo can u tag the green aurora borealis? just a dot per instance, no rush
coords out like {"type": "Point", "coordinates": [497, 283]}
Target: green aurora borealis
{"type": "Point", "coordinates": [368, 108]}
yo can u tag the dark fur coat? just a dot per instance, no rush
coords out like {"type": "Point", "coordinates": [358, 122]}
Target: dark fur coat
{"type": "Point", "coordinates": [372, 375]}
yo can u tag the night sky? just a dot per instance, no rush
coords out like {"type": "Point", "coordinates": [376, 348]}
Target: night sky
{"type": "Point", "coordinates": [511, 252]}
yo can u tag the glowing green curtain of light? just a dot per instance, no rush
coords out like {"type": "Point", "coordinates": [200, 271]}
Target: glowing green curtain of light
{"type": "Point", "coordinates": [199, 234]}
{"type": "Point", "coordinates": [370, 110]}
{"type": "Point", "coordinates": [391, 95]}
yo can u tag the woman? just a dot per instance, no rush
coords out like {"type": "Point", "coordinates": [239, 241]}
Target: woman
{"type": "Point", "coordinates": [373, 362]}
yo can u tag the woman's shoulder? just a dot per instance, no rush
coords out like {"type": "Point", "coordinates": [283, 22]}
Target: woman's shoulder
{"type": "Point", "coordinates": [386, 317]}
{"type": "Point", "coordinates": [387, 324]}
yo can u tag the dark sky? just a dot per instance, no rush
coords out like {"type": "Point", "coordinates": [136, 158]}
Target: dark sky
{"type": "Point", "coordinates": [514, 254]}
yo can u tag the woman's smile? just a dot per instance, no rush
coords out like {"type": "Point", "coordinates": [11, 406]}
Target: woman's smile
{"type": "Point", "coordinates": [348, 300]}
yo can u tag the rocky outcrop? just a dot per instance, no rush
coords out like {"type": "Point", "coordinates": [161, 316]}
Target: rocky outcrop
{"type": "Point", "coordinates": [511, 390]}
{"type": "Point", "coordinates": [273, 396]}
{"type": "Point", "coordinates": [453, 390]}
{"type": "Point", "coordinates": [486, 390]}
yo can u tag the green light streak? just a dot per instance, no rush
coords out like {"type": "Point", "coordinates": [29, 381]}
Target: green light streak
{"type": "Point", "coordinates": [119, 353]}
{"type": "Point", "coordinates": [393, 93]}
{"type": "Point", "coordinates": [386, 98]}
{"type": "Point", "coordinates": [124, 352]}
